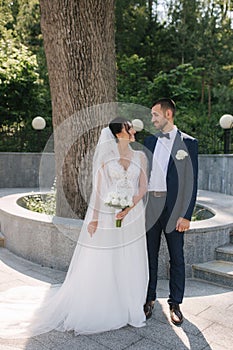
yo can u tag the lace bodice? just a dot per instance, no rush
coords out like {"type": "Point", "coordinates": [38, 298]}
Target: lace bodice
{"type": "Point", "coordinates": [126, 180]}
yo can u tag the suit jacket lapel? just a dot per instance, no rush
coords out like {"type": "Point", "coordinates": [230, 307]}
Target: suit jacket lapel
{"type": "Point", "coordinates": [153, 144]}
{"type": "Point", "coordinates": [176, 146]}
{"type": "Point", "coordinates": [151, 148]}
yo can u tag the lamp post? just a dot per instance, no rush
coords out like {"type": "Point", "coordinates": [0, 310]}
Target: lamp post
{"type": "Point", "coordinates": [38, 124]}
{"type": "Point", "coordinates": [226, 123]}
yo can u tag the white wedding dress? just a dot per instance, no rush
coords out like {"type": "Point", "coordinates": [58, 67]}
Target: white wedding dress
{"type": "Point", "coordinates": [106, 284]}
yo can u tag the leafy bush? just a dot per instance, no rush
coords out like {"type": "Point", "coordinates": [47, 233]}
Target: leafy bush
{"type": "Point", "coordinates": [46, 203]}
{"type": "Point", "coordinates": [201, 213]}
{"type": "Point", "coordinates": [40, 203]}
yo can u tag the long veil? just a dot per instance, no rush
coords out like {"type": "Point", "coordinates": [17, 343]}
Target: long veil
{"type": "Point", "coordinates": [29, 311]}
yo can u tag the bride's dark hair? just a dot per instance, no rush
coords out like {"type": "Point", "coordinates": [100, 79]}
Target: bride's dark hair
{"type": "Point", "coordinates": [117, 124]}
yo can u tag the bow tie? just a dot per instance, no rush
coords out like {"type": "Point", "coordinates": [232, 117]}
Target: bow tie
{"type": "Point", "coordinates": [161, 134]}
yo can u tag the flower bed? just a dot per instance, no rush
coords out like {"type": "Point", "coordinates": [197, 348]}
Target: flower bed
{"type": "Point", "coordinates": [46, 203]}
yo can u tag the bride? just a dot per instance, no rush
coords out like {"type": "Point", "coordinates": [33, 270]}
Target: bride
{"type": "Point", "coordinates": [106, 284]}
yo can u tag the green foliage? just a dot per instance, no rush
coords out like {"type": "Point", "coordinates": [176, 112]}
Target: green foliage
{"type": "Point", "coordinates": [46, 204]}
{"type": "Point", "coordinates": [184, 52]}
{"type": "Point", "coordinates": [187, 56]}
{"type": "Point", "coordinates": [132, 83]}
{"type": "Point", "coordinates": [183, 84]}
{"type": "Point", "coordinates": [40, 203]}
{"type": "Point", "coordinates": [22, 96]}
{"type": "Point", "coordinates": [201, 213]}
{"type": "Point", "coordinates": [24, 89]}
{"type": "Point", "coordinates": [133, 86]}
{"type": "Point", "coordinates": [131, 23]}
{"type": "Point", "coordinates": [18, 74]}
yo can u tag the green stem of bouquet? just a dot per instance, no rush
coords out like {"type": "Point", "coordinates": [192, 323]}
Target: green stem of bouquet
{"type": "Point", "coordinates": [118, 222]}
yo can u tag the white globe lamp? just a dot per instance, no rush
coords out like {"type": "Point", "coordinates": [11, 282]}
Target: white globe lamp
{"type": "Point", "coordinates": [226, 121]}
{"type": "Point", "coordinates": [38, 123]}
{"type": "Point", "coordinates": [137, 124]}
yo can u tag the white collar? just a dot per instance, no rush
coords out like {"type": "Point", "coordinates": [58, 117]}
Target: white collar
{"type": "Point", "coordinates": [172, 134]}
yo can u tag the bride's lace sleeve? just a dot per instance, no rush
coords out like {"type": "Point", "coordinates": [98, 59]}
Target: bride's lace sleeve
{"type": "Point", "coordinates": [106, 150]}
{"type": "Point", "coordinates": [97, 193]}
{"type": "Point", "coordinates": [143, 180]}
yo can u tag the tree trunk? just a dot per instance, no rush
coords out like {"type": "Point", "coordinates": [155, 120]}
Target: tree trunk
{"type": "Point", "coordinates": [202, 87]}
{"type": "Point", "coordinates": [80, 51]}
{"type": "Point", "coordinates": [150, 10]}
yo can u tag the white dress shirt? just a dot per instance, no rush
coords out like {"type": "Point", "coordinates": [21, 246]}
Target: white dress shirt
{"type": "Point", "coordinates": [161, 158]}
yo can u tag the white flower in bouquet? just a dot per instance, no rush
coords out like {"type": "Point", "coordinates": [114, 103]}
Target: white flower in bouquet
{"type": "Point", "coordinates": [110, 197]}
{"type": "Point", "coordinates": [123, 203]}
{"type": "Point", "coordinates": [119, 201]}
{"type": "Point", "coordinates": [115, 201]}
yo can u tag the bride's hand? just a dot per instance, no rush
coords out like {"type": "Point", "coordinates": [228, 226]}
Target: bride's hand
{"type": "Point", "coordinates": [92, 227]}
{"type": "Point", "coordinates": [123, 213]}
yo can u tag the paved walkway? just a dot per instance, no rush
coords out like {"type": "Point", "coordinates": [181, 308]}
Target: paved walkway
{"type": "Point", "coordinates": [207, 308]}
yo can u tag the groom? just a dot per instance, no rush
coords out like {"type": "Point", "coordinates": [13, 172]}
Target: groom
{"type": "Point", "coordinates": [173, 166]}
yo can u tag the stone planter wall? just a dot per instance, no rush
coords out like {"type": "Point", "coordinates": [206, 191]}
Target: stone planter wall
{"type": "Point", "coordinates": [50, 241]}
{"type": "Point", "coordinates": [43, 239]}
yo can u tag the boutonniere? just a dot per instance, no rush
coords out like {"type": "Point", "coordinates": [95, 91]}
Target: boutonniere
{"type": "Point", "coordinates": [181, 154]}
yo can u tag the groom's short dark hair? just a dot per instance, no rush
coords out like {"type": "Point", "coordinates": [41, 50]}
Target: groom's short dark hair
{"type": "Point", "coordinates": [166, 103]}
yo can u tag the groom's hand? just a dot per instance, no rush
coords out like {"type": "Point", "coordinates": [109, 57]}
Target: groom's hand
{"type": "Point", "coordinates": [182, 224]}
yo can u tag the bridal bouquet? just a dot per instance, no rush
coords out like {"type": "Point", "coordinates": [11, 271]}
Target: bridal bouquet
{"type": "Point", "coordinates": [119, 201]}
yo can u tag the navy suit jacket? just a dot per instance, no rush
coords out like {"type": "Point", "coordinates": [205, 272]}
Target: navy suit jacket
{"type": "Point", "coordinates": [181, 176]}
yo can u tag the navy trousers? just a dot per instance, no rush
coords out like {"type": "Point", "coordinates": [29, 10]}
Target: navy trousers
{"type": "Point", "coordinates": [157, 217]}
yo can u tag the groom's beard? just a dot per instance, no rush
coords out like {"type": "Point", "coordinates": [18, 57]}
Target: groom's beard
{"type": "Point", "coordinates": [161, 125]}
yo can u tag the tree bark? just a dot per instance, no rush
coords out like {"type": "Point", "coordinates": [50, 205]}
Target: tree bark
{"type": "Point", "coordinates": [202, 87]}
{"type": "Point", "coordinates": [80, 51]}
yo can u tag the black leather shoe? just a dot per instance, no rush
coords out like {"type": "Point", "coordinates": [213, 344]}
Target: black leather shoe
{"type": "Point", "coordinates": [176, 315]}
{"type": "Point", "coordinates": [148, 308]}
